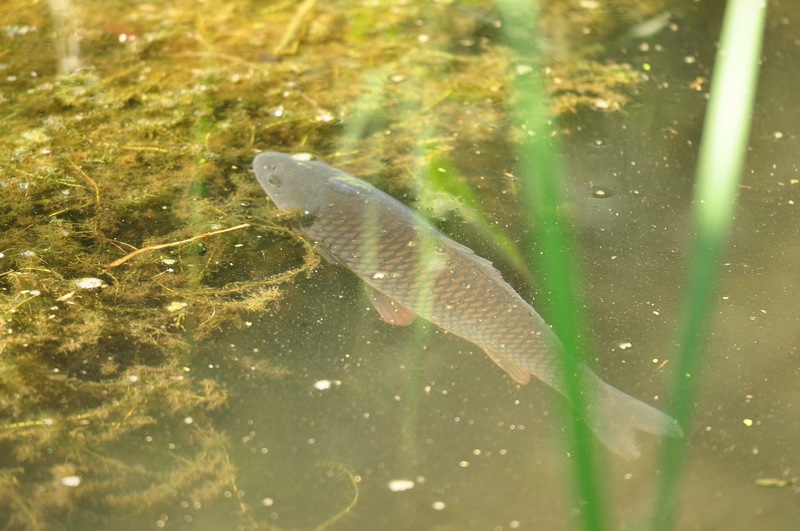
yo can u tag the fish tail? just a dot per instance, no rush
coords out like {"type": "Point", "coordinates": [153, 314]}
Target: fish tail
{"type": "Point", "coordinates": [615, 417]}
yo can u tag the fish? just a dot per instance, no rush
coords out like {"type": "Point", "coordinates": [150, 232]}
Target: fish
{"type": "Point", "coordinates": [411, 269]}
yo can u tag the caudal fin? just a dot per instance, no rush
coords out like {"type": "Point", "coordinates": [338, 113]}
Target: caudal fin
{"type": "Point", "coordinates": [615, 417]}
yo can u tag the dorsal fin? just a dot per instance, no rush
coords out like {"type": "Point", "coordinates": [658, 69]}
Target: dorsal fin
{"type": "Point", "coordinates": [487, 265]}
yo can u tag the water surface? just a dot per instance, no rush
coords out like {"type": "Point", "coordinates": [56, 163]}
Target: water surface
{"type": "Point", "coordinates": [204, 388]}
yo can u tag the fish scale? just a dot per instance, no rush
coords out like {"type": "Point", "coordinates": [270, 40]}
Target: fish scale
{"type": "Point", "coordinates": [413, 269]}
{"type": "Point", "coordinates": [454, 293]}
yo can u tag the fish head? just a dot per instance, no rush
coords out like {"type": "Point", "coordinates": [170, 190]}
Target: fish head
{"type": "Point", "coordinates": [290, 182]}
{"type": "Point", "coordinates": [307, 185]}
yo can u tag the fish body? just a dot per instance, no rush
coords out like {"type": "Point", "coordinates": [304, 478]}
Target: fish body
{"type": "Point", "coordinates": [412, 269]}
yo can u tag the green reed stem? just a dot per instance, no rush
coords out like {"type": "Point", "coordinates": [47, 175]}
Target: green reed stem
{"type": "Point", "coordinates": [543, 191]}
{"type": "Point", "coordinates": [722, 151]}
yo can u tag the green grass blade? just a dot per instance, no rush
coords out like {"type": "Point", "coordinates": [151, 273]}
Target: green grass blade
{"type": "Point", "coordinates": [542, 184]}
{"type": "Point", "coordinates": [443, 188]}
{"type": "Point", "coordinates": [722, 151]}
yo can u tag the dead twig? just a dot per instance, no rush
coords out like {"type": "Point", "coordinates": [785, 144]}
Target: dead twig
{"type": "Point", "coordinates": [127, 257]}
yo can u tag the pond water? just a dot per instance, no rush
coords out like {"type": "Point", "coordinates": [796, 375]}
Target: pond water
{"type": "Point", "coordinates": [236, 382]}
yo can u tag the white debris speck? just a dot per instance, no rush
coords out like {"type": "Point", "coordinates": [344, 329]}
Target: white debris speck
{"type": "Point", "coordinates": [399, 485]}
{"type": "Point", "coordinates": [188, 420]}
{"type": "Point", "coordinates": [133, 378]}
{"type": "Point", "coordinates": [71, 481]}
{"type": "Point", "coordinates": [176, 306]}
{"type": "Point", "coordinates": [625, 345]}
{"type": "Point", "coordinates": [322, 385]}
{"type": "Point", "coordinates": [378, 276]}
{"type": "Point", "coordinates": [89, 283]}
{"type": "Point", "coordinates": [438, 505]}
{"type": "Point", "coordinates": [169, 261]}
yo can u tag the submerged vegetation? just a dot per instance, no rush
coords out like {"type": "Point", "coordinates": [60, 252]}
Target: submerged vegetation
{"type": "Point", "coordinates": [132, 126]}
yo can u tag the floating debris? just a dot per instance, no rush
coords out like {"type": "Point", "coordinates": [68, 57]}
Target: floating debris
{"type": "Point", "coordinates": [176, 306]}
{"type": "Point", "coordinates": [599, 192]}
{"type": "Point", "coordinates": [323, 385]}
{"type": "Point", "coordinates": [399, 485]}
{"type": "Point", "coordinates": [71, 481]}
{"type": "Point", "coordinates": [775, 482]}
{"type": "Point", "coordinates": [90, 283]}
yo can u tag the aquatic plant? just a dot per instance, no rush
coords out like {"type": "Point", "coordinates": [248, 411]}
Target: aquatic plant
{"type": "Point", "coordinates": [719, 170]}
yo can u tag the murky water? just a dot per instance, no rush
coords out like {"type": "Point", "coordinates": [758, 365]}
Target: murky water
{"type": "Point", "coordinates": [300, 408]}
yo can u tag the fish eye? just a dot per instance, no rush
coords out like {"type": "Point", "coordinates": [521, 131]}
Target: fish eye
{"type": "Point", "coordinates": [274, 180]}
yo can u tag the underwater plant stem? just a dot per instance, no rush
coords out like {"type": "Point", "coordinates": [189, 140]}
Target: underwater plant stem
{"type": "Point", "coordinates": [542, 198]}
{"type": "Point", "coordinates": [127, 257]}
{"type": "Point", "coordinates": [722, 151]}
{"type": "Point", "coordinates": [294, 30]}
{"type": "Point", "coordinates": [342, 470]}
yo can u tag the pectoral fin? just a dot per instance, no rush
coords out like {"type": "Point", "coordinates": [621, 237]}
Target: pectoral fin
{"type": "Point", "coordinates": [391, 311]}
{"type": "Point", "coordinates": [519, 373]}
{"type": "Point", "coordinates": [326, 255]}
